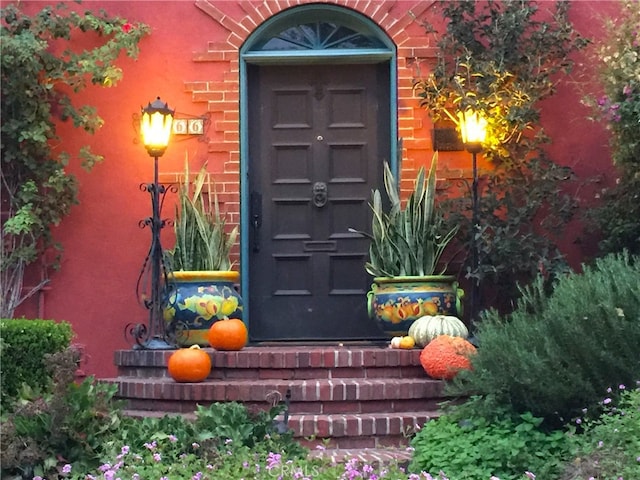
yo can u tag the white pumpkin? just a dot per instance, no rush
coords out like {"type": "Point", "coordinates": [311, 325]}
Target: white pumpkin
{"type": "Point", "coordinates": [428, 327]}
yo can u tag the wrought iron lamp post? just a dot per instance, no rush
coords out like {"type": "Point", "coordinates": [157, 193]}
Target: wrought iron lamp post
{"type": "Point", "coordinates": [155, 127]}
{"type": "Point", "coordinates": [473, 131]}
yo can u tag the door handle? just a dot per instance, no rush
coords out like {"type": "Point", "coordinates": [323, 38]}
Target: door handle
{"type": "Point", "coordinates": [256, 219]}
{"type": "Point", "coordinates": [320, 194]}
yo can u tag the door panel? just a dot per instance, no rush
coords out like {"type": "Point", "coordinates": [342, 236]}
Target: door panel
{"type": "Point", "coordinates": [317, 144]}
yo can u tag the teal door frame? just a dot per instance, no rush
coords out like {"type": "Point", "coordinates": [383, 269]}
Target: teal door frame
{"type": "Point", "coordinates": [251, 52]}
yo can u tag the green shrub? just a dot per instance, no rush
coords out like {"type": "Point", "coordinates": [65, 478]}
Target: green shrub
{"type": "Point", "coordinates": [478, 448]}
{"type": "Point", "coordinates": [67, 422]}
{"type": "Point", "coordinates": [23, 346]}
{"type": "Point", "coordinates": [557, 352]}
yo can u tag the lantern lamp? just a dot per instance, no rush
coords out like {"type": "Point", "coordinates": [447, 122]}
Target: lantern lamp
{"type": "Point", "coordinates": [473, 129]}
{"type": "Point", "coordinates": [155, 126]}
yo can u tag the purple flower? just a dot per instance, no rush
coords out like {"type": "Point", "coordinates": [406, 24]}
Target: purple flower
{"type": "Point", "coordinates": [627, 90]}
{"type": "Point", "coordinates": [578, 421]}
{"type": "Point", "coordinates": [606, 401]}
{"type": "Point", "coordinates": [621, 387]}
{"type": "Point", "coordinates": [152, 445]}
{"type": "Point", "coordinates": [66, 468]}
{"type": "Point", "coordinates": [273, 460]}
{"type": "Point", "coordinates": [157, 457]}
{"type": "Point", "coordinates": [173, 438]}
{"type": "Point", "coordinates": [530, 475]}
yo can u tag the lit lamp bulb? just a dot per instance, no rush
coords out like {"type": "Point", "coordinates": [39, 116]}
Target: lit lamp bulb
{"type": "Point", "coordinates": [473, 129]}
{"type": "Point", "coordinates": [155, 126]}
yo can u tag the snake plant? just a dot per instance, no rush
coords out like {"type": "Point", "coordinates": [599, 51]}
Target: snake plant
{"type": "Point", "coordinates": [202, 240]}
{"type": "Point", "coordinates": [407, 241]}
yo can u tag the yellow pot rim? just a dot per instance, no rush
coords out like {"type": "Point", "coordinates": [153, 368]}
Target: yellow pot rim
{"type": "Point", "coordinates": [209, 275]}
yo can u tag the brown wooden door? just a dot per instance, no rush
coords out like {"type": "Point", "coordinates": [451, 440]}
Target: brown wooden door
{"type": "Point", "coordinates": [318, 138]}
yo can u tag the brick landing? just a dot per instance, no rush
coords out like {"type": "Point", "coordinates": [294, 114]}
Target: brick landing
{"type": "Point", "coordinates": [342, 397]}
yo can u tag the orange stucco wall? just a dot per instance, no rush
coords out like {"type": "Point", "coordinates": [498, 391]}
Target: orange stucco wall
{"type": "Point", "coordinates": [191, 60]}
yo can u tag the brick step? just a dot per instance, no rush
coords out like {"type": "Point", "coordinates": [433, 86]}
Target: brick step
{"type": "Point", "coordinates": [349, 397]}
{"type": "Point", "coordinates": [286, 362]}
{"type": "Point", "coordinates": [345, 395]}
{"type": "Point", "coordinates": [322, 390]}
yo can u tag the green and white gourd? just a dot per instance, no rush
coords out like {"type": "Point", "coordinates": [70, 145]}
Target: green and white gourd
{"type": "Point", "coordinates": [426, 328]}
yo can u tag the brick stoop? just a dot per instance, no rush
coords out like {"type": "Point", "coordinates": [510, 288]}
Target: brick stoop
{"type": "Point", "coordinates": [341, 397]}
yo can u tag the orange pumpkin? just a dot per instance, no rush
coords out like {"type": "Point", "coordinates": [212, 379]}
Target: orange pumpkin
{"type": "Point", "coordinates": [228, 334]}
{"type": "Point", "coordinates": [189, 364]}
{"type": "Point", "coordinates": [445, 356]}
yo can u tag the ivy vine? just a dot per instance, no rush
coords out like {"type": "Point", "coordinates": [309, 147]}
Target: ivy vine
{"type": "Point", "coordinates": [44, 63]}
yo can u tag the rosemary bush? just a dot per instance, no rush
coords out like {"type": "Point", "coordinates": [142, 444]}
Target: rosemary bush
{"type": "Point", "coordinates": [557, 352]}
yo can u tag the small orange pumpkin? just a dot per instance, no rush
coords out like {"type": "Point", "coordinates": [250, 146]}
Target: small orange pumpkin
{"type": "Point", "coordinates": [189, 364]}
{"type": "Point", "coordinates": [228, 334]}
{"type": "Point", "coordinates": [445, 356]}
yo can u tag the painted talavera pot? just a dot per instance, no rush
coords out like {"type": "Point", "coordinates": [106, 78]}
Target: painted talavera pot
{"type": "Point", "coordinates": [396, 302]}
{"type": "Point", "coordinates": [196, 300]}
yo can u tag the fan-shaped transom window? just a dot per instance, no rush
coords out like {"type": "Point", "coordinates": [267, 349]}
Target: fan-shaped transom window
{"type": "Point", "coordinates": [317, 30]}
{"type": "Point", "coordinates": [319, 36]}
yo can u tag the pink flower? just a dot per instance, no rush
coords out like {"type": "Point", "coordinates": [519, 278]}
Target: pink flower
{"type": "Point", "coordinates": [127, 27]}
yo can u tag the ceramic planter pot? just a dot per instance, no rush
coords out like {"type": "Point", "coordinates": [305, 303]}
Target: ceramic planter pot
{"type": "Point", "coordinates": [197, 299]}
{"type": "Point", "coordinates": [396, 302]}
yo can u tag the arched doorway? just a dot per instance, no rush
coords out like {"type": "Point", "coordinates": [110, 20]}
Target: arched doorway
{"type": "Point", "coordinates": [318, 117]}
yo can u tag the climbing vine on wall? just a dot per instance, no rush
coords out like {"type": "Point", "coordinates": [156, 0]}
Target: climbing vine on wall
{"type": "Point", "coordinates": [44, 63]}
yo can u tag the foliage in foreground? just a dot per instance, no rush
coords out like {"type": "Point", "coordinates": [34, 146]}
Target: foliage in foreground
{"type": "Point", "coordinates": [609, 448]}
{"type": "Point", "coordinates": [77, 432]}
{"type": "Point", "coordinates": [557, 352]}
{"type": "Point", "coordinates": [476, 448]}
{"type": "Point", "coordinates": [66, 420]}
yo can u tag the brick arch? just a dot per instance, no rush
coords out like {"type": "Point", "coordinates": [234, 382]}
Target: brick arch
{"type": "Point", "coordinates": [222, 96]}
